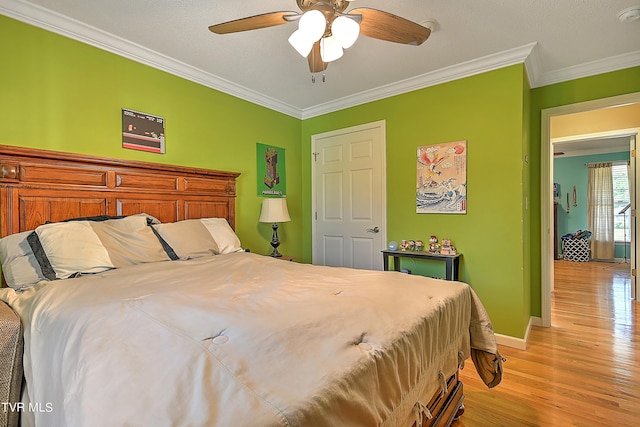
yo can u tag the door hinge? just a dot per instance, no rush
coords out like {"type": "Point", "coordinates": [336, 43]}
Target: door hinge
{"type": "Point", "coordinates": [633, 153]}
{"type": "Point", "coordinates": [633, 272]}
{"type": "Point", "coordinates": [316, 216]}
{"type": "Point", "coordinates": [633, 212]}
{"type": "Point", "coordinates": [315, 156]}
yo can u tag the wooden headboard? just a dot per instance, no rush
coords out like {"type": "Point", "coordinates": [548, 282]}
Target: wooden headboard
{"type": "Point", "coordinates": [37, 186]}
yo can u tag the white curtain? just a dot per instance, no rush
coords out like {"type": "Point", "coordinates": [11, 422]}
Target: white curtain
{"type": "Point", "coordinates": [600, 211]}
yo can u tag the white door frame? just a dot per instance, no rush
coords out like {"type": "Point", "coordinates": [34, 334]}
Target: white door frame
{"type": "Point", "coordinates": [378, 124]}
{"type": "Point", "coordinates": [546, 190]}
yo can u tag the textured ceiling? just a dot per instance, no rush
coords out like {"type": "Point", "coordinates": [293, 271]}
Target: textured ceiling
{"type": "Point", "coordinates": [560, 39]}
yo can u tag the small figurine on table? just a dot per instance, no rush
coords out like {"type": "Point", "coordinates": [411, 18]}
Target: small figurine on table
{"type": "Point", "coordinates": [419, 245]}
{"type": "Point", "coordinates": [434, 246]}
{"type": "Point", "coordinates": [447, 249]}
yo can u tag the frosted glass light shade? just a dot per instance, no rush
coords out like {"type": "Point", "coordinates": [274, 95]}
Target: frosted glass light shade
{"type": "Point", "coordinates": [313, 25]}
{"type": "Point", "coordinates": [346, 30]}
{"type": "Point", "coordinates": [330, 49]}
{"type": "Point", "coordinates": [300, 43]}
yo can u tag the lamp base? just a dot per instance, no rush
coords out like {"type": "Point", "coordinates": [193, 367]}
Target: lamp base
{"type": "Point", "coordinates": [275, 242]}
{"type": "Point", "coordinates": [275, 254]}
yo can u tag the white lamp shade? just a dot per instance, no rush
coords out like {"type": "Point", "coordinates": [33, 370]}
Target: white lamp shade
{"type": "Point", "coordinates": [300, 43]}
{"type": "Point", "coordinates": [330, 49]}
{"type": "Point", "coordinates": [346, 30]}
{"type": "Point", "coordinates": [274, 209]}
{"type": "Point", "coordinates": [313, 25]}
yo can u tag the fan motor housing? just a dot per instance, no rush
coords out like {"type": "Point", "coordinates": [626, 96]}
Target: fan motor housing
{"type": "Point", "coordinates": [324, 6]}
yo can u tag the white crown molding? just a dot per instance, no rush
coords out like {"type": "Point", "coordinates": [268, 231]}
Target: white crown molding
{"type": "Point", "coordinates": [613, 63]}
{"type": "Point", "coordinates": [443, 75]}
{"type": "Point", "coordinates": [533, 65]}
{"type": "Point", "coordinates": [76, 30]}
{"type": "Point", "coordinates": [527, 54]}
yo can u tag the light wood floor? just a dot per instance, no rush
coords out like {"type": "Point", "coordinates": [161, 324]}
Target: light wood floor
{"type": "Point", "coordinates": [583, 371]}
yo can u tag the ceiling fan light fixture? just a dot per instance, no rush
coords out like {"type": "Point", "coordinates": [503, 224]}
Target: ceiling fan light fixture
{"type": "Point", "coordinates": [325, 28]}
{"type": "Point", "coordinates": [300, 43]}
{"type": "Point", "coordinates": [346, 30]}
{"type": "Point", "coordinates": [313, 25]}
{"type": "Point", "coordinates": [330, 49]}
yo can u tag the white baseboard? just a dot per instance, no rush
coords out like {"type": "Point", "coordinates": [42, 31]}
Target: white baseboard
{"type": "Point", "coordinates": [515, 342]}
{"type": "Point", "coordinates": [535, 321]}
{"type": "Point", "coordinates": [510, 341]}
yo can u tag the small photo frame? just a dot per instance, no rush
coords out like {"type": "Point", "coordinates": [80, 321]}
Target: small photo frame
{"type": "Point", "coordinates": [142, 131]}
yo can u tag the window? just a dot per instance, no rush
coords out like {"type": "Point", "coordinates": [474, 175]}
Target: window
{"type": "Point", "coordinates": [621, 200]}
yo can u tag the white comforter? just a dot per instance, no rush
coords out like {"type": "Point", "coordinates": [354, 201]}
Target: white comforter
{"type": "Point", "coordinates": [239, 340]}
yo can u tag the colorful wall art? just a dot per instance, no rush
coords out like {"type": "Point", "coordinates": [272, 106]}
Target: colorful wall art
{"type": "Point", "coordinates": [272, 176]}
{"type": "Point", "coordinates": [441, 184]}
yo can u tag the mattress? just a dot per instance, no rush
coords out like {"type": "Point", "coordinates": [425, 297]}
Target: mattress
{"type": "Point", "coordinates": [242, 339]}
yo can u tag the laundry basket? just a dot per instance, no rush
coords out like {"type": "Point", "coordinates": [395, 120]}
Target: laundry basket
{"type": "Point", "coordinates": [576, 249]}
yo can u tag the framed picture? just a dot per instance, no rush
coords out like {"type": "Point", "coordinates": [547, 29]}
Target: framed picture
{"type": "Point", "coordinates": [272, 175]}
{"type": "Point", "coordinates": [142, 131]}
{"type": "Point", "coordinates": [441, 184]}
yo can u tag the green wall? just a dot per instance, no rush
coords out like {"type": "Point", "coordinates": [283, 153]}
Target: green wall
{"type": "Point", "coordinates": [571, 92]}
{"type": "Point", "coordinates": [60, 94]}
{"type": "Point", "coordinates": [487, 111]}
{"type": "Point", "coordinates": [526, 208]}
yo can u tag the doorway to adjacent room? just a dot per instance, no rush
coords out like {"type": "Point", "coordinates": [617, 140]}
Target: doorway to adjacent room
{"type": "Point", "coordinates": [547, 179]}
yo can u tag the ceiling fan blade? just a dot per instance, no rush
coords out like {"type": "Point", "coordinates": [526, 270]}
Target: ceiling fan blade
{"type": "Point", "coordinates": [315, 60]}
{"type": "Point", "coordinates": [389, 27]}
{"type": "Point", "coordinates": [252, 22]}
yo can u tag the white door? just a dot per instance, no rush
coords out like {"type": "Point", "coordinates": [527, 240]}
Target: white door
{"type": "Point", "coordinates": [349, 197]}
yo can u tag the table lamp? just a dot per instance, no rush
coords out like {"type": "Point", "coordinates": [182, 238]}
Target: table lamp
{"type": "Point", "coordinates": [274, 210]}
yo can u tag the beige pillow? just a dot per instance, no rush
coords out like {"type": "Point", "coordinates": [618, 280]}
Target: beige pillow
{"type": "Point", "coordinates": [188, 238]}
{"type": "Point", "coordinates": [129, 241]}
{"type": "Point", "coordinates": [223, 234]}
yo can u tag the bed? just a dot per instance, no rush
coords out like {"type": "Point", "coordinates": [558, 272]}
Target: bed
{"type": "Point", "coordinates": [166, 320]}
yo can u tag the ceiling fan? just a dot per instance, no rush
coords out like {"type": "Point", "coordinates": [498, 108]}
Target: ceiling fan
{"type": "Point", "coordinates": [325, 28]}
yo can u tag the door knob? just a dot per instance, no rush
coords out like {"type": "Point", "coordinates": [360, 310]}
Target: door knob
{"type": "Point", "coordinates": [373, 230]}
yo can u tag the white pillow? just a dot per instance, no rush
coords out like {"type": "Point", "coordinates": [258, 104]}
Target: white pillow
{"type": "Point", "coordinates": [223, 234]}
{"type": "Point", "coordinates": [73, 247]}
{"type": "Point", "coordinates": [19, 265]}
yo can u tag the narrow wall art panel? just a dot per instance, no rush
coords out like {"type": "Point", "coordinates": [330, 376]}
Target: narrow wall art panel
{"type": "Point", "coordinates": [272, 174]}
{"type": "Point", "coordinates": [441, 184]}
